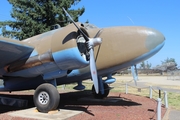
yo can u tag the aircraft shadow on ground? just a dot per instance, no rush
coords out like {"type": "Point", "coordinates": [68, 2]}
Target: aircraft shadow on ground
{"type": "Point", "coordinates": [79, 100]}
{"type": "Point", "coordinates": [8, 108]}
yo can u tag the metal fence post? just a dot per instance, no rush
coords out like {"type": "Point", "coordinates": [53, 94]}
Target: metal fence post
{"type": "Point", "coordinates": [159, 93]}
{"type": "Point", "coordinates": [150, 92]}
{"type": "Point", "coordinates": [63, 87]}
{"type": "Point", "coordinates": [159, 109]}
{"type": "Point", "coordinates": [165, 99]}
{"type": "Point", "coordinates": [126, 88]}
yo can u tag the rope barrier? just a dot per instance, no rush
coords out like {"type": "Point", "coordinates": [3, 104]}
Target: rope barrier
{"type": "Point", "coordinates": [155, 91]}
{"type": "Point", "coordinates": [138, 87]}
{"type": "Point", "coordinates": [143, 88]}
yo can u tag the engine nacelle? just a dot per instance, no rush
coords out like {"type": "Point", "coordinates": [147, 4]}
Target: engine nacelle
{"type": "Point", "coordinates": [69, 59]}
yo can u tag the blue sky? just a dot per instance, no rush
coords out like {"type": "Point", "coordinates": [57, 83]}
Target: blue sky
{"type": "Point", "coordinates": [163, 15]}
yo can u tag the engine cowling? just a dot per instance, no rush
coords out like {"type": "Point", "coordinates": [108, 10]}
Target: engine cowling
{"type": "Point", "coordinates": [69, 59]}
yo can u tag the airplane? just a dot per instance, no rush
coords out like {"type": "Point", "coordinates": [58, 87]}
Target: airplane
{"type": "Point", "coordinates": [72, 54]}
{"type": "Point", "coordinates": [165, 67]}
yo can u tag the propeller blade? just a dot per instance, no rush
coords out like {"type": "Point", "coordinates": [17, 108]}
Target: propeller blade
{"type": "Point", "coordinates": [84, 35]}
{"type": "Point", "coordinates": [94, 71]}
{"type": "Point", "coordinates": [98, 52]}
{"type": "Point", "coordinates": [98, 33]}
{"type": "Point", "coordinates": [92, 42]}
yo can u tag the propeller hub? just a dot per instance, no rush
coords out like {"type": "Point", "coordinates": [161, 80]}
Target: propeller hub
{"type": "Point", "coordinates": [94, 42]}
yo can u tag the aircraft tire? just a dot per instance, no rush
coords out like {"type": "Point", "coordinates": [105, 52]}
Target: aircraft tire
{"type": "Point", "coordinates": [46, 98]}
{"type": "Point", "coordinates": [100, 95]}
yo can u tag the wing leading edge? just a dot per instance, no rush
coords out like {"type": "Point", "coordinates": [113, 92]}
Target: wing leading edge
{"type": "Point", "coordinates": [12, 50]}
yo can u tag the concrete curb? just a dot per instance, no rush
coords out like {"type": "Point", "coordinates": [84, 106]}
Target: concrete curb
{"type": "Point", "coordinates": [166, 116]}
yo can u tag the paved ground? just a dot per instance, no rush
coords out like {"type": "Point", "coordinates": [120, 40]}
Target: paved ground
{"type": "Point", "coordinates": [32, 113]}
{"type": "Point", "coordinates": [157, 80]}
{"type": "Point", "coordinates": [174, 115]}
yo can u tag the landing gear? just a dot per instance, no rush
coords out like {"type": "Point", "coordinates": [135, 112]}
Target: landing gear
{"type": "Point", "coordinates": [100, 95]}
{"type": "Point", "coordinates": [46, 98]}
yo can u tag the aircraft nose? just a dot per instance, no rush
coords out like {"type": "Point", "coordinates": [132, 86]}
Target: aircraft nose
{"type": "Point", "coordinates": [154, 38]}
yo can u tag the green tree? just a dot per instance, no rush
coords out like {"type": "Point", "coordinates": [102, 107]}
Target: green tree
{"type": "Point", "coordinates": [146, 65]}
{"type": "Point", "coordinates": [167, 60]}
{"type": "Point", "coordinates": [32, 17]}
{"type": "Point", "coordinates": [142, 65]}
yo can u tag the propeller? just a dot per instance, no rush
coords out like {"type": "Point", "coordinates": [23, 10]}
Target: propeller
{"type": "Point", "coordinates": [84, 35]}
{"type": "Point", "coordinates": [92, 42]}
{"type": "Point", "coordinates": [97, 35]}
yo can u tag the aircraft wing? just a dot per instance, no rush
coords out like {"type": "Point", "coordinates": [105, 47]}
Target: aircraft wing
{"type": "Point", "coordinates": [12, 50]}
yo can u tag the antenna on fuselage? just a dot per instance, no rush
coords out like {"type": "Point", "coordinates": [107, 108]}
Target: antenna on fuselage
{"type": "Point", "coordinates": [56, 26]}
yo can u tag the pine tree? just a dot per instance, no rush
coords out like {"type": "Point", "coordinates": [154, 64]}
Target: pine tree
{"type": "Point", "coordinates": [32, 17]}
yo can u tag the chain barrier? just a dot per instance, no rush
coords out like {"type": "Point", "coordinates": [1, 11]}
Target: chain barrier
{"type": "Point", "coordinates": [138, 87]}
{"type": "Point", "coordinates": [157, 109]}
{"type": "Point", "coordinates": [121, 84]}
{"type": "Point", "coordinates": [146, 88]}
{"type": "Point", "coordinates": [154, 90]}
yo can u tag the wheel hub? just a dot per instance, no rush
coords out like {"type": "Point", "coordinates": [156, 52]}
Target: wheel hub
{"type": "Point", "coordinates": [43, 97]}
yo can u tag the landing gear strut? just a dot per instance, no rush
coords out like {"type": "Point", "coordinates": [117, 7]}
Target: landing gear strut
{"type": "Point", "coordinates": [46, 98]}
{"type": "Point", "coordinates": [100, 95]}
